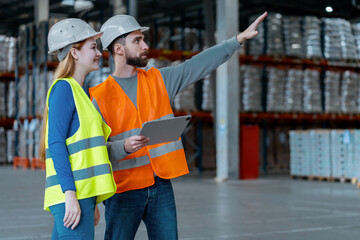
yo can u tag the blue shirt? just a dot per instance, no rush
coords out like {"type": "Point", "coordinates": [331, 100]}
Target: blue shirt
{"type": "Point", "coordinates": [63, 123]}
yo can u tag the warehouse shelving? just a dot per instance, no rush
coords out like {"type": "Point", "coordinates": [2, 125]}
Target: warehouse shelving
{"type": "Point", "coordinates": [262, 118]}
{"type": "Point", "coordinates": [5, 121]}
{"type": "Point", "coordinates": [266, 119]}
{"type": "Point", "coordinates": [245, 117]}
{"type": "Point", "coordinates": [7, 76]}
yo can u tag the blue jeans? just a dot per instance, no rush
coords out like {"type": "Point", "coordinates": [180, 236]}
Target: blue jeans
{"type": "Point", "coordinates": [83, 231]}
{"type": "Point", "coordinates": [155, 205]}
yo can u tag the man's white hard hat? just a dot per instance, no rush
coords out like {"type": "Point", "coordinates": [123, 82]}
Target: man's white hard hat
{"type": "Point", "coordinates": [116, 26]}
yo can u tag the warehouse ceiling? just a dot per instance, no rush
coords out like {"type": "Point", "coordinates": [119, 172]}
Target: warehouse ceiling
{"type": "Point", "coordinates": [184, 12]}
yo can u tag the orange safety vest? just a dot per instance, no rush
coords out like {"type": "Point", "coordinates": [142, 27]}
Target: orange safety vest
{"type": "Point", "coordinates": [167, 160]}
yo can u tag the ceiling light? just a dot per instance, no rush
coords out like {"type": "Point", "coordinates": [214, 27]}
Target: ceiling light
{"type": "Point", "coordinates": [329, 9]}
{"type": "Point", "coordinates": [68, 2]}
{"type": "Point", "coordinates": [81, 5]}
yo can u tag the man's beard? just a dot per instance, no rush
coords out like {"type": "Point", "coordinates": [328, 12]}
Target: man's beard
{"type": "Point", "coordinates": [136, 61]}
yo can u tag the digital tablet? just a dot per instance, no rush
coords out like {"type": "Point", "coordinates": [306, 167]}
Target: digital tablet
{"type": "Point", "coordinates": [166, 130]}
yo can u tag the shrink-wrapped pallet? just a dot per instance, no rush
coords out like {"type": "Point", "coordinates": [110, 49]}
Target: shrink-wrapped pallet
{"type": "Point", "coordinates": [275, 91]}
{"type": "Point", "coordinates": [43, 83]}
{"type": "Point", "coordinates": [347, 40]}
{"type": "Point", "coordinates": [312, 37]}
{"type": "Point", "coordinates": [293, 36]}
{"type": "Point", "coordinates": [356, 32]}
{"type": "Point", "coordinates": [312, 91]}
{"type": "Point", "coordinates": [299, 153]}
{"type": "Point", "coordinates": [10, 145]}
{"type": "Point", "coordinates": [332, 40]}
{"type": "Point", "coordinates": [3, 99]}
{"type": "Point", "coordinates": [11, 100]}
{"type": "Point", "coordinates": [339, 41]}
{"type": "Point", "coordinates": [293, 91]}
{"type": "Point", "coordinates": [332, 91]}
{"type": "Point", "coordinates": [33, 138]}
{"type": "Point", "coordinates": [251, 91]}
{"type": "Point", "coordinates": [342, 153]}
{"type": "Point", "coordinates": [2, 145]}
{"type": "Point", "coordinates": [319, 146]}
{"type": "Point", "coordinates": [274, 36]}
{"type": "Point", "coordinates": [22, 97]}
{"type": "Point", "coordinates": [7, 53]}
{"type": "Point", "coordinates": [349, 92]}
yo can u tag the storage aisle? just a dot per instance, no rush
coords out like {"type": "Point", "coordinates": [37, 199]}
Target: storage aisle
{"type": "Point", "coordinates": [271, 209]}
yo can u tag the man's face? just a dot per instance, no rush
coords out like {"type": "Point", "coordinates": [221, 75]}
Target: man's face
{"type": "Point", "coordinates": [136, 49]}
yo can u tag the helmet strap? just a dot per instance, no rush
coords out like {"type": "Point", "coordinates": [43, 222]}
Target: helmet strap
{"type": "Point", "coordinates": [63, 52]}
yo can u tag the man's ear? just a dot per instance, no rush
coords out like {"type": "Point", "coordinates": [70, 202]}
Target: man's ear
{"type": "Point", "coordinates": [74, 53]}
{"type": "Point", "coordinates": [119, 49]}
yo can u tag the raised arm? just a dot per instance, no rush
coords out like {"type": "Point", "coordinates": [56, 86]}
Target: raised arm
{"type": "Point", "coordinates": [179, 77]}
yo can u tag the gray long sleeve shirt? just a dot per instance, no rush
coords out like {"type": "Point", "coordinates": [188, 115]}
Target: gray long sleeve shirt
{"type": "Point", "coordinates": [176, 79]}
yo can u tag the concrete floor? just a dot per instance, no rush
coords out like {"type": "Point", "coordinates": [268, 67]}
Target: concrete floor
{"type": "Point", "coordinates": [271, 209]}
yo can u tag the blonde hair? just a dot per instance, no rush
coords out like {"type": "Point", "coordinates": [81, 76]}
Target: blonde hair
{"type": "Point", "coordinates": [65, 69]}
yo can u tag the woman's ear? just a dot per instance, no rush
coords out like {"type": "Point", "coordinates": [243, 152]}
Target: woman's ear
{"type": "Point", "coordinates": [74, 53]}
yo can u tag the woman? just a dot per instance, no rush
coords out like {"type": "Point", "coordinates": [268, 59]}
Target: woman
{"type": "Point", "coordinates": [78, 171]}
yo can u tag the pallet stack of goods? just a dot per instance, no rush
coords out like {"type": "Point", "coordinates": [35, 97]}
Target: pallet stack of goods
{"type": "Point", "coordinates": [3, 99]}
{"type": "Point", "coordinates": [275, 91]}
{"type": "Point", "coordinates": [299, 151]}
{"type": "Point", "coordinates": [274, 36]}
{"type": "Point", "coordinates": [312, 37]}
{"type": "Point", "coordinates": [332, 92]}
{"type": "Point", "coordinates": [7, 53]}
{"type": "Point", "coordinates": [293, 97]}
{"type": "Point", "coordinates": [3, 149]}
{"type": "Point", "coordinates": [350, 92]}
{"type": "Point", "coordinates": [293, 37]}
{"type": "Point", "coordinates": [325, 154]}
{"type": "Point", "coordinates": [312, 91]}
{"type": "Point", "coordinates": [251, 88]}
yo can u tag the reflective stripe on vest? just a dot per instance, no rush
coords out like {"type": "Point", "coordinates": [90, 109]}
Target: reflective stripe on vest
{"type": "Point", "coordinates": [81, 174]}
{"type": "Point", "coordinates": [144, 160]}
{"type": "Point", "coordinates": [125, 135]}
{"type": "Point", "coordinates": [82, 145]}
{"type": "Point", "coordinates": [130, 163]}
{"type": "Point", "coordinates": [165, 149]}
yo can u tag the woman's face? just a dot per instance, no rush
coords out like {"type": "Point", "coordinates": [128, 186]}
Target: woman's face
{"type": "Point", "coordinates": [88, 56]}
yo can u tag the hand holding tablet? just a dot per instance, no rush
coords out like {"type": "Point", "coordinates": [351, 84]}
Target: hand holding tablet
{"type": "Point", "coordinates": [166, 130]}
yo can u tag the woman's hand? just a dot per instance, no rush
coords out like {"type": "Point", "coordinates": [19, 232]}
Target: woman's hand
{"type": "Point", "coordinates": [72, 210]}
{"type": "Point", "coordinates": [96, 216]}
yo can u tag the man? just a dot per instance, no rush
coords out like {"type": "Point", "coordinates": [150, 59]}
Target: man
{"type": "Point", "coordinates": [128, 98]}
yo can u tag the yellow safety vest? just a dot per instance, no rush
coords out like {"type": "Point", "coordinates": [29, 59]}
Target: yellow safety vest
{"type": "Point", "coordinates": [88, 155]}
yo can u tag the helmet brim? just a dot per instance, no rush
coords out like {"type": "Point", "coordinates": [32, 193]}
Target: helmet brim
{"type": "Point", "coordinates": [95, 35]}
{"type": "Point", "coordinates": [142, 29]}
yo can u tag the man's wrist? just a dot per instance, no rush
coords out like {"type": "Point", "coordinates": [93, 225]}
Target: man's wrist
{"type": "Point", "coordinates": [125, 147]}
{"type": "Point", "coordinates": [240, 39]}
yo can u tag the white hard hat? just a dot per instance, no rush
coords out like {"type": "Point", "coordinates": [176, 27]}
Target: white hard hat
{"type": "Point", "coordinates": [67, 32]}
{"type": "Point", "coordinates": [118, 25]}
